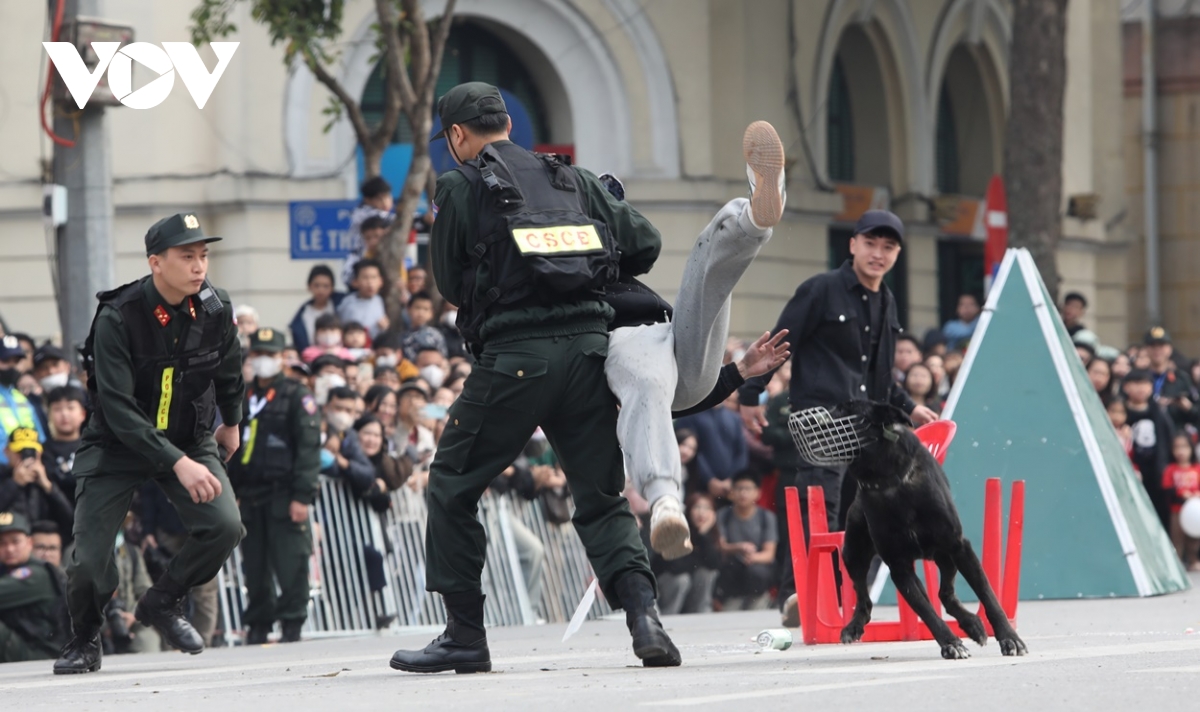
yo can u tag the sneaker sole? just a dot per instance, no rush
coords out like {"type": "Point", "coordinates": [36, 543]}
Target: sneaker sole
{"type": "Point", "coordinates": [764, 154]}
{"type": "Point", "coordinates": [459, 669]}
{"type": "Point", "coordinates": [671, 539]}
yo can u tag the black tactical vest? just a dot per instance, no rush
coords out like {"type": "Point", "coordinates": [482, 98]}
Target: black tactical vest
{"type": "Point", "coordinates": [173, 388]}
{"type": "Point", "coordinates": [536, 242]}
{"type": "Point", "coordinates": [268, 445]}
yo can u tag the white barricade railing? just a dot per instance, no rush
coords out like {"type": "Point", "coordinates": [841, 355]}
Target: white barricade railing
{"type": "Point", "coordinates": [350, 539]}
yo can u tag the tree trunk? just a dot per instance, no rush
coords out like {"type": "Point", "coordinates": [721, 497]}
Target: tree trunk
{"type": "Point", "coordinates": [1033, 140]}
{"type": "Point", "coordinates": [372, 160]}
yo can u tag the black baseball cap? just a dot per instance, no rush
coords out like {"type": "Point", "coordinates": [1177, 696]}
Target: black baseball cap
{"type": "Point", "coordinates": [468, 101]}
{"type": "Point", "coordinates": [49, 352]}
{"type": "Point", "coordinates": [178, 230]}
{"type": "Point", "coordinates": [1156, 336]}
{"type": "Point", "coordinates": [880, 222]}
{"type": "Point", "coordinates": [13, 522]}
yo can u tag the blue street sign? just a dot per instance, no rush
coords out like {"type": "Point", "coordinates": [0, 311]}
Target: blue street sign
{"type": "Point", "coordinates": [320, 229]}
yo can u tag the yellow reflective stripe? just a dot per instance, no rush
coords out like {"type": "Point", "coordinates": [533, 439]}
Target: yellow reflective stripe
{"type": "Point", "coordinates": [248, 448]}
{"type": "Point", "coordinates": [17, 413]}
{"type": "Point", "coordinates": [164, 401]}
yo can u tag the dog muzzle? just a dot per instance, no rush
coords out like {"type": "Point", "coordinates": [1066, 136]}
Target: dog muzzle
{"type": "Point", "coordinates": [826, 441]}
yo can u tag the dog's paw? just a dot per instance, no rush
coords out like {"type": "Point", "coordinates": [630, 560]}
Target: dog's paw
{"type": "Point", "coordinates": [1013, 646]}
{"type": "Point", "coordinates": [955, 651]}
{"type": "Point", "coordinates": [974, 629]}
{"type": "Point", "coordinates": [853, 632]}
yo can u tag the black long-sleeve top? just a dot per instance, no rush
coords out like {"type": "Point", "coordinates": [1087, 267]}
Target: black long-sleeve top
{"type": "Point", "coordinates": [827, 321]}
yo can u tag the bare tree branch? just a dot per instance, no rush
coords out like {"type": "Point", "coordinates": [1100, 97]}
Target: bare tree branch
{"type": "Point", "coordinates": [353, 110]}
{"type": "Point", "coordinates": [397, 73]}
{"type": "Point", "coordinates": [438, 48]}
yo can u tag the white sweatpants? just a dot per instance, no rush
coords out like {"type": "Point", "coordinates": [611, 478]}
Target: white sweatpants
{"type": "Point", "coordinates": [655, 369]}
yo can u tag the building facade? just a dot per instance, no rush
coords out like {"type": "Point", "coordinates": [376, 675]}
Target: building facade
{"type": "Point", "coordinates": [880, 103]}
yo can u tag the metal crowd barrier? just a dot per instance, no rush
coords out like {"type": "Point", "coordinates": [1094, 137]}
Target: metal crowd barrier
{"type": "Point", "coordinates": [368, 572]}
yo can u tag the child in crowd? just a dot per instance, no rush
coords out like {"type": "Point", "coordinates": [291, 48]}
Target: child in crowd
{"type": "Point", "coordinates": [328, 329]}
{"type": "Point", "coordinates": [422, 334]}
{"type": "Point", "coordinates": [918, 381]}
{"type": "Point", "coordinates": [373, 229]}
{"type": "Point", "coordinates": [1151, 438]}
{"type": "Point", "coordinates": [324, 301]}
{"type": "Point", "coordinates": [1119, 419]}
{"type": "Point", "coordinates": [1181, 481]}
{"type": "Point", "coordinates": [748, 536]}
{"type": "Point", "coordinates": [377, 201]}
{"type": "Point", "coordinates": [365, 304]}
{"type": "Point", "coordinates": [356, 341]}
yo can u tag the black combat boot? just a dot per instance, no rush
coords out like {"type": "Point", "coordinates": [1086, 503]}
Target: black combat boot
{"type": "Point", "coordinates": [81, 654]}
{"type": "Point", "coordinates": [257, 634]}
{"type": "Point", "coordinates": [291, 631]}
{"type": "Point", "coordinates": [162, 608]}
{"type": "Point", "coordinates": [650, 641]}
{"type": "Point", "coordinates": [462, 648]}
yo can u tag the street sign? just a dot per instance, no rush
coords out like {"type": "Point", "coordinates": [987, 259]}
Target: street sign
{"type": "Point", "coordinates": [320, 229]}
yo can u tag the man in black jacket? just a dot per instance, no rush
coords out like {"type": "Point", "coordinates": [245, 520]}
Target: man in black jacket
{"type": "Point", "coordinates": [842, 331]}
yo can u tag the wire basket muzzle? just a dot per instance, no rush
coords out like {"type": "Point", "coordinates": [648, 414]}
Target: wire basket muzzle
{"type": "Point", "coordinates": [824, 440]}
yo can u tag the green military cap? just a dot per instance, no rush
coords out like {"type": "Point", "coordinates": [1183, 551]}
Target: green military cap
{"type": "Point", "coordinates": [13, 522]}
{"type": "Point", "coordinates": [175, 231]}
{"type": "Point", "coordinates": [267, 340]}
{"type": "Point", "coordinates": [468, 101]}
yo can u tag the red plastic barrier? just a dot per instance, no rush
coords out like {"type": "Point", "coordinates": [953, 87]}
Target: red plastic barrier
{"type": "Point", "coordinates": [822, 619]}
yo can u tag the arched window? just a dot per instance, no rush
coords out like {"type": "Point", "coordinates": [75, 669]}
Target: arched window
{"type": "Point", "coordinates": [473, 54]}
{"type": "Point", "coordinates": [947, 145]}
{"type": "Point", "coordinates": [840, 129]}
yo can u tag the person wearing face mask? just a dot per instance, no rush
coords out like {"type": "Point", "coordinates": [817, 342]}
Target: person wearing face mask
{"type": "Point", "coordinates": [52, 370]}
{"type": "Point", "coordinates": [456, 345]}
{"type": "Point", "coordinates": [433, 366]}
{"type": "Point", "coordinates": [345, 459]}
{"type": "Point", "coordinates": [389, 356]}
{"type": "Point", "coordinates": [16, 410]}
{"type": "Point", "coordinates": [328, 372]}
{"type": "Point", "coordinates": [275, 479]}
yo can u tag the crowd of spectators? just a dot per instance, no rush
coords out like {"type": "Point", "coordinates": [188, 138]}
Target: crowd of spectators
{"type": "Point", "coordinates": [384, 389]}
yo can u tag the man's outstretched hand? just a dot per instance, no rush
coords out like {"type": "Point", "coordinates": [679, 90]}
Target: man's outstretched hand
{"type": "Point", "coordinates": [765, 355]}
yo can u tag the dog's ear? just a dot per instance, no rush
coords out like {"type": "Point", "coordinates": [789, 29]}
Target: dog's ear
{"type": "Point", "coordinates": [886, 414]}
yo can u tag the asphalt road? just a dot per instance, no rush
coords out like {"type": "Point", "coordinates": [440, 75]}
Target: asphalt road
{"type": "Point", "coordinates": [1084, 655]}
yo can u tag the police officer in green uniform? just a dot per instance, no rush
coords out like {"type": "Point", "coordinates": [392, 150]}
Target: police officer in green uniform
{"type": "Point", "coordinates": [163, 358]}
{"type": "Point", "coordinates": [32, 618]}
{"type": "Point", "coordinates": [524, 244]}
{"type": "Point", "coordinates": [275, 479]}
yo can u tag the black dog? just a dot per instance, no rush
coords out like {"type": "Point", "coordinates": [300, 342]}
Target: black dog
{"type": "Point", "coordinates": [904, 512]}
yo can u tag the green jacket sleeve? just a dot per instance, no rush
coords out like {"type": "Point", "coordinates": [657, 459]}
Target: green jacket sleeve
{"type": "Point", "coordinates": [638, 240]}
{"type": "Point", "coordinates": [306, 434]}
{"type": "Point", "coordinates": [453, 226]}
{"type": "Point", "coordinates": [18, 591]}
{"type": "Point", "coordinates": [228, 382]}
{"type": "Point", "coordinates": [114, 388]}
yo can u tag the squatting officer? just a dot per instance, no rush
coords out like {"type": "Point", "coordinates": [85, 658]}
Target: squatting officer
{"type": "Point", "coordinates": [275, 479]}
{"type": "Point", "coordinates": [162, 358]}
{"type": "Point", "coordinates": [31, 594]}
{"type": "Point", "coordinates": [522, 245]}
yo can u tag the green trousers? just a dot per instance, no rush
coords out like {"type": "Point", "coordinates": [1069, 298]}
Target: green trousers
{"type": "Point", "coordinates": [275, 549]}
{"type": "Point", "coordinates": [559, 384]}
{"type": "Point", "coordinates": [104, 490]}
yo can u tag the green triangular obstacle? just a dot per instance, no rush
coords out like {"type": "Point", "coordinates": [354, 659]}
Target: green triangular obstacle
{"type": "Point", "coordinates": [1026, 410]}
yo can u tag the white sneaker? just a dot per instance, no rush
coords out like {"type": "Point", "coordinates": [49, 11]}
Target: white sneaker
{"type": "Point", "coordinates": [669, 533]}
{"type": "Point", "coordinates": [791, 612]}
{"type": "Point", "coordinates": [764, 169]}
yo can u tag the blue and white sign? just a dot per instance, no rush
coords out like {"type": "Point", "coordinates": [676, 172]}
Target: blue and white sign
{"type": "Point", "coordinates": [320, 229]}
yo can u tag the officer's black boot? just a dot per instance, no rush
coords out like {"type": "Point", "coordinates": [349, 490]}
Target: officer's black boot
{"type": "Point", "coordinates": [650, 641]}
{"type": "Point", "coordinates": [81, 654]}
{"type": "Point", "coordinates": [162, 607]}
{"type": "Point", "coordinates": [257, 634]}
{"type": "Point", "coordinates": [462, 648]}
{"type": "Point", "coordinates": [291, 631]}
